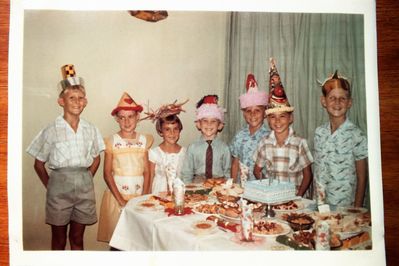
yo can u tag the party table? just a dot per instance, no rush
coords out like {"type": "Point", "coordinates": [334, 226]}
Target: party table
{"type": "Point", "coordinates": [156, 231]}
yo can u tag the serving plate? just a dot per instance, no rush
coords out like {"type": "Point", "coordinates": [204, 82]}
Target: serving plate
{"type": "Point", "coordinates": [352, 210]}
{"type": "Point", "coordinates": [299, 204]}
{"type": "Point", "coordinates": [194, 208]}
{"type": "Point", "coordinates": [286, 229]}
{"type": "Point", "coordinates": [230, 219]}
{"type": "Point", "coordinates": [148, 205]}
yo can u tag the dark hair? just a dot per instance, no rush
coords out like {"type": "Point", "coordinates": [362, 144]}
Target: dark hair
{"type": "Point", "coordinates": [170, 119]}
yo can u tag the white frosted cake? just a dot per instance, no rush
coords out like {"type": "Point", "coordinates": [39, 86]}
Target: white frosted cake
{"type": "Point", "coordinates": [262, 191]}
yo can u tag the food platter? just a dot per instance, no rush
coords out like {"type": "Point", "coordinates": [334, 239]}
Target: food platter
{"type": "Point", "coordinates": [192, 199]}
{"type": "Point", "coordinates": [289, 206]}
{"type": "Point", "coordinates": [348, 234]}
{"type": "Point", "coordinates": [194, 187]}
{"type": "Point", "coordinates": [276, 228]}
{"type": "Point", "coordinates": [206, 208]}
{"type": "Point", "coordinates": [230, 219]}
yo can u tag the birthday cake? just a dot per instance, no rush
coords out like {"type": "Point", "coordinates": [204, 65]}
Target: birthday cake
{"type": "Point", "coordinates": [262, 191]}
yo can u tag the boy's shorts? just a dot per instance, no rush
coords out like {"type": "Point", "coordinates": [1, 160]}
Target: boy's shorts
{"type": "Point", "coordinates": [70, 197]}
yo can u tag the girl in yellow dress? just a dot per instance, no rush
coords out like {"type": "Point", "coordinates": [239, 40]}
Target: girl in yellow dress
{"type": "Point", "coordinates": [126, 166]}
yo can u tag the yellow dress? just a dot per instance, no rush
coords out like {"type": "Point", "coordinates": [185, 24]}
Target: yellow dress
{"type": "Point", "coordinates": [127, 168]}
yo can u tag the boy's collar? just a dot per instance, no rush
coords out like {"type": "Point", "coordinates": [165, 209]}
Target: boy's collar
{"type": "Point", "coordinates": [274, 140]}
{"type": "Point", "coordinates": [340, 127]}
{"type": "Point", "coordinates": [202, 138]}
{"type": "Point", "coordinates": [61, 122]}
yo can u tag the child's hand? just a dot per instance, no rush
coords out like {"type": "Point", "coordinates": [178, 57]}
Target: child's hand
{"type": "Point", "coordinates": [122, 202]}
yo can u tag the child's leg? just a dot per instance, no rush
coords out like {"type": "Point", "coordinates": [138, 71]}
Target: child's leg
{"type": "Point", "coordinates": [76, 232]}
{"type": "Point", "coordinates": [58, 237]}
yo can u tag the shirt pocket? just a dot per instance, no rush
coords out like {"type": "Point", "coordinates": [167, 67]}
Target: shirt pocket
{"type": "Point", "coordinates": [61, 152]}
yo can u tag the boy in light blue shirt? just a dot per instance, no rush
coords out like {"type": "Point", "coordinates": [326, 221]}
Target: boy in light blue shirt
{"type": "Point", "coordinates": [243, 146]}
{"type": "Point", "coordinates": [207, 157]}
{"type": "Point", "coordinates": [340, 150]}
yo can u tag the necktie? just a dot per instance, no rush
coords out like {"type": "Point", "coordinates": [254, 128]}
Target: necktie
{"type": "Point", "coordinates": [208, 160]}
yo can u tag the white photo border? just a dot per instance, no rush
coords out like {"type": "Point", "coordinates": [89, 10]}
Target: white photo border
{"type": "Point", "coordinates": [18, 256]}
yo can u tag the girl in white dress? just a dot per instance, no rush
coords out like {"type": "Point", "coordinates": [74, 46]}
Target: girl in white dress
{"type": "Point", "coordinates": [167, 158]}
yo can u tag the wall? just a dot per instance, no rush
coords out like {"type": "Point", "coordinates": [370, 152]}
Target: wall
{"type": "Point", "coordinates": [179, 58]}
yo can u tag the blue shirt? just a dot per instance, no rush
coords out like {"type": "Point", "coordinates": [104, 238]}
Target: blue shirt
{"type": "Point", "coordinates": [243, 147]}
{"type": "Point", "coordinates": [335, 161]}
{"type": "Point", "coordinates": [194, 162]}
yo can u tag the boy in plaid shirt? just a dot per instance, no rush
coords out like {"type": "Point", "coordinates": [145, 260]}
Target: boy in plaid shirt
{"type": "Point", "coordinates": [286, 156]}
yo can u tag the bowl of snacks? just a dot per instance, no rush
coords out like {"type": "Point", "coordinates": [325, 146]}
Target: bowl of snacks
{"type": "Point", "coordinates": [203, 227]}
{"type": "Point", "coordinates": [300, 221]}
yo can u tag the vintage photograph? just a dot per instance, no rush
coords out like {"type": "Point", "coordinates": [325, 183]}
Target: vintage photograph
{"type": "Point", "coordinates": [197, 130]}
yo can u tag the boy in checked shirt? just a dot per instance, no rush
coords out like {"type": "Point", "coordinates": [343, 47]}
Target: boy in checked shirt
{"type": "Point", "coordinates": [71, 148]}
{"type": "Point", "coordinates": [285, 155]}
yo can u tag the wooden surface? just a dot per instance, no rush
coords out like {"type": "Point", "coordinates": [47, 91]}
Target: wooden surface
{"type": "Point", "coordinates": [388, 57]}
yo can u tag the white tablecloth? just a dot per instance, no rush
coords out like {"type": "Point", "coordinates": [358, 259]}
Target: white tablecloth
{"type": "Point", "coordinates": [155, 230]}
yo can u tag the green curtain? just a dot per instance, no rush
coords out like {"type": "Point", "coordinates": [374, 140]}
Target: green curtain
{"type": "Point", "coordinates": [307, 48]}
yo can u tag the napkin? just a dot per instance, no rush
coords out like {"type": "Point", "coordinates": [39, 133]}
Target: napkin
{"type": "Point", "coordinates": [186, 211]}
{"type": "Point", "coordinates": [223, 223]}
{"type": "Point", "coordinates": [171, 174]}
{"type": "Point", "coordinates": [244, 171]}
{"type": "Point", "coordinates": [247, 221]}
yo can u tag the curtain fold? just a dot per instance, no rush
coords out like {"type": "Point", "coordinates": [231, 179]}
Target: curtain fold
{"type": "Point", "coordinates": [307, 48]}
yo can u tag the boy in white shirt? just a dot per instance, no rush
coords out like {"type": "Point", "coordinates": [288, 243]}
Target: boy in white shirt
{"type": "Point", "coordinates": [71, 148]}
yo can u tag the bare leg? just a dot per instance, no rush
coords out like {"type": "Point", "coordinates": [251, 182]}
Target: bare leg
{"type": "Point", "coordinates": [58, 237]}
{"type": "Point", "coordinates": [76, 233]}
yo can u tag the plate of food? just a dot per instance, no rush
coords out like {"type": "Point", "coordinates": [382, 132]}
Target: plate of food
{"type": "Point", "coordinates": [272, 227]}
{"type": "Point", "coordinates": [148, 205]}
{"type": "Point", "coordinates": [203, 227]}
{"type": "Point", "coordinates": [300, 221]}
{"type": "Point", "coordinates": [306, 237]}
{"type": "Point", "coordinates": [206, 208]}
{"type": "Point", "coordinates": [213, 182]}
{"type": "Point", "coordinates": [194, 198]}
{"type": "Point", "coordinates": [230, 214]}
{"type": "Point", "coordinates": [292, 205]}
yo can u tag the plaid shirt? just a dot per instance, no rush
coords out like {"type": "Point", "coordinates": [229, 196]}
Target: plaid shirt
{"type": "Point", "coordinates": [286, 162]}
{"type": "Point", "coordinates": [60, 146]}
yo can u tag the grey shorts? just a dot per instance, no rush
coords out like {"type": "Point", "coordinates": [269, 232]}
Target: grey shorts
{"type": "Point", "coordinates": [70, 197]}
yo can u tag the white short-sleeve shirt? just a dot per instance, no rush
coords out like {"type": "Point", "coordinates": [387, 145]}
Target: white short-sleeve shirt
{"type": "Point", "coordinates": [60, 146]}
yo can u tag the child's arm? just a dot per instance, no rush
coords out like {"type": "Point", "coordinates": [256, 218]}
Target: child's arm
{"type": "Point", "coordinates": [152, 174]}
{"type": "Point", "coordinates": [187, 169]}
{"type": "Point", "coordinates": [94, 166]}
{"type": "Point", "coordinates": [41, 171]}
{"type": "Point", "coordinates": [235, 166]}
{"type": "Point", "coordinates": [146, 174]}
{"type": "Point", "coordinates": [109, 179]}
{"type": "Point", "coordinates": [307, 179]}
{"type": "Point", "coordinates": [361, 172]}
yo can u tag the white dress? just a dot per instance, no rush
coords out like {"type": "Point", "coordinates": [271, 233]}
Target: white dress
{"type": "Point", "coordinates": [162, 160]}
